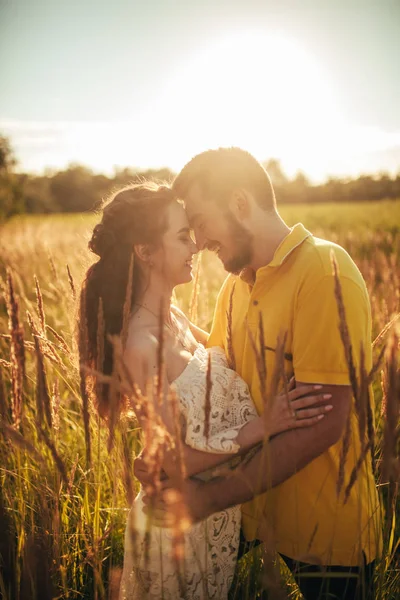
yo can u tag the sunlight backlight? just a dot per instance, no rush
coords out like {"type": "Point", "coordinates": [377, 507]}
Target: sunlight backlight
{"type": "Point", "coordinates": [262, 92]}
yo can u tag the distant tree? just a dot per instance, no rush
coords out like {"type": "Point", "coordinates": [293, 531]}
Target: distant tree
{"type": "Point", "coordinates": [274, 170]}
{"type": "Point", "coordinates": [7, 158]}
{"type": "Point", "coordinates": [300, 189]}
{"type": "Point", "coordinates": [11, 189]}
{"type": "Point", "coordinates": [77, 189]}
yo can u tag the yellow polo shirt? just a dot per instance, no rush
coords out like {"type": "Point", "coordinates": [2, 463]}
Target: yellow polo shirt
{"type": "Point", "coordinates": [295, 294]}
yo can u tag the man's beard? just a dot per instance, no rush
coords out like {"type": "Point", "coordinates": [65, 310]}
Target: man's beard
{"type": "Point", "coordinates": [243, 241]}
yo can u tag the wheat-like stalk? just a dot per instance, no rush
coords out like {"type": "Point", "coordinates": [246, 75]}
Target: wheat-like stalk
{"type": "Point", "coordinates": [83, 344]}
{"type": "Point", "coordinates": [3, 399]}
{"type": "Point", "coordinates": [71, 283]}
{"type": "Point", "coordinates": [43, 402]}
{"type": "Point", "coordinates": [55, 407]}
{"type": "Point", "coordinates": [229, 336]}
{"type": "Point", "coordinates": [17, 352]}
{"type": "Point", "coordinates": [126, 311]}
{"type": "Point", "coordinates": [160, 356]}
{"type": "Point", "coordinates": [194, 298]}
{"type": "Point", "coordinates": [100, 339]}
{"type": "Point", "coordinates": [18, 440]}
{"type": "Point", "coordinates": [173, 403]}
{"type": "Point", "coordinates": [40, 306]}
{"type": "Point", "coordinates": [59, 463]}
{"type": "Point", "coordinates": [207, 399]}
{"type": "Point", "coordinates": [344, 331]}
{"type": "Point", "coordinates": [128, 467]}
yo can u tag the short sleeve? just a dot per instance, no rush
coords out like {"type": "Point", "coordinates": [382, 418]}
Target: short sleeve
{"type": "Point", "coordinates": [318, 352]}
{"type": "Point", "coordinates": [231, 406]}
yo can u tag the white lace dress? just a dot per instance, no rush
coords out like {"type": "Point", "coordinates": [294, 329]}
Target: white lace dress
{"type": "Point", "coordinates": [210, 547]}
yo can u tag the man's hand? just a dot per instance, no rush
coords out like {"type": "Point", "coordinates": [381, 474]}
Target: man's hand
{"type": "Point", "coordinates": [141, 470]}
{"type": "Point", "coordinates": [164, 506]}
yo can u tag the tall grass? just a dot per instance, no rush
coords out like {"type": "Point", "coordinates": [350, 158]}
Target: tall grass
{"type": "Point", "coordinates": [66, 485]}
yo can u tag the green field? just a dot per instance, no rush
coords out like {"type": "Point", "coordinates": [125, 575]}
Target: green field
{"type": "Point", "coordinates": [63, 521]}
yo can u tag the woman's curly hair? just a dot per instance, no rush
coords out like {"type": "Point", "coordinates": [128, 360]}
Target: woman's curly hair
{"type": "Point", "coordinates": [136, 214]}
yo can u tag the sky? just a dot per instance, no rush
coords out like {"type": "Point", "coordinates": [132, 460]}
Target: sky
{"type": "Point", "coordinates": [124, 83]}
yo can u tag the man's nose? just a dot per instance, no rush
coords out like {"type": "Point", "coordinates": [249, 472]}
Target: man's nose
{"type": "Point", "coordinates": [200, 241]}
{"type": "Point", "coordinates": [194, 248]}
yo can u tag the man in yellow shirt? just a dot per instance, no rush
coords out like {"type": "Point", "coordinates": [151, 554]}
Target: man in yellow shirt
{"type": "Point", "coordinates": [285, 275]}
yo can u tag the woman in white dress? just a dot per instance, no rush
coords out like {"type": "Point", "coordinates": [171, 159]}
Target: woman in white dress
{"type": "Point", "coordinates": [147, 220]}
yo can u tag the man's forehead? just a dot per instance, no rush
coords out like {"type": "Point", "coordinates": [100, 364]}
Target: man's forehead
{"type": "Point", "coordinates": [194, 195]}
{"type": "Point", "coordinates": [194, 202]}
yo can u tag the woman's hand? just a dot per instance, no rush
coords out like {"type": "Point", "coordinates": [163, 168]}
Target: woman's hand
{"type": "Point", "coordinates": [299, 407]}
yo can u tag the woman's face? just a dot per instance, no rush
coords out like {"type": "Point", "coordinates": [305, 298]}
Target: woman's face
{"type": "Point", "coordinates": [174, 258]}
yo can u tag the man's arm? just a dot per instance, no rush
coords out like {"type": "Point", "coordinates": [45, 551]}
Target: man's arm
{"type": "Point", "coordinates": [279, 459]}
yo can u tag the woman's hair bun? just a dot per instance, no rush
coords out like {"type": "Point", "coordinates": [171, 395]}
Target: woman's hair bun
{"type": "Point", "coordinates": [102, 240]}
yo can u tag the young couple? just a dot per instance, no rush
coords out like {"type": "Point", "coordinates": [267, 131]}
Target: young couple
{"type": "Point", "coordinates": [285, 275]}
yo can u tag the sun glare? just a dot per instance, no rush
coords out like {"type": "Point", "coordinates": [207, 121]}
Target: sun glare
{"type": "Point", "coordinates": [262, 92]}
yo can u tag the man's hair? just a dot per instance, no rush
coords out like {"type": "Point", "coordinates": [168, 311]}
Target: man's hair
{"type": "Point", "coordinates": [219, 172]}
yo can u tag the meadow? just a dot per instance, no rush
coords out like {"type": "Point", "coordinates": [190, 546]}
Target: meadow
{"type": "Point", "coordinates": [62, 517]}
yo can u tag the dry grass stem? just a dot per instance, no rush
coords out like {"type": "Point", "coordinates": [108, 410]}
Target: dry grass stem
{"type": "Point", "coordinates": [385, 330]}
{"type": "Point", "coordinates": [160, 357]}
{"type": "Point", "coordinates": [53, 267]}
{"type": "Point", "coordinates": [356, 469]}
{"type": "Point", "coordinates": [63, 344]}
{"type": "Point", "coordinates": [72, 476]}
{"type": "Point", "coordinates": [194, 298]}
{"type": "Point", "coordinates": [344, 451]}
{"type": "Point", "coordinates": [43, 402]}
{"type": "Point", "coordinates": [40, 306]}
{"type": "Point", "coordinates": [126, 312]}
{"type": "Point", "coordinates": [17, 352]}
{"type": "Point", "coordinates": [83, 346]}
{"type": "Point", "coordinates": [55, 407]}
{"type": "Point", "coordinates": [18, 440]}
{"type": "Point", "coordinates": [173, 403]}
{"type": "Point", "coordinates": [376, 365]}
{"type": "Point", "coordinates": [71, 283]}
{"type": "Point", "coordinates": [128, 468]}
{"type": "Point", "coordinates": [391, 432]}
{"type": "Point", "coordinates": [278, 374]}
{"type": "Point", "coordinates": [53, 451]}
{"type": "Point", "coordinates": [344, 331]}
{"type": "Point", "coordinates": [229, 320]}
{"type": "Point", "coordinates": [100, 338]}
{"type": "Point", "coordinates": [3, 399]}
{"type": "Point", "coordinates": [113, 405]}
{"type": "Point", "coordinates": [207, 399]}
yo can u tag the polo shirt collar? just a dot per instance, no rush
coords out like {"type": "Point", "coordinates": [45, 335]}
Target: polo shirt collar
{"type": "Point", "coordinates": [294, 238]}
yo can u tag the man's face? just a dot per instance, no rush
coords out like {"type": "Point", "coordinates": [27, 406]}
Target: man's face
{"type": "Point", "coordinates": [218, 230]}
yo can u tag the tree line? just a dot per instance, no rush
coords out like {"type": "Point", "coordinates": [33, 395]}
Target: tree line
{"type": "Point", "coordinates": [78, 189]}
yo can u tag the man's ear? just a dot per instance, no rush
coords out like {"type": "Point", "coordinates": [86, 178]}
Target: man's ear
{"type": "Point", "coordinates": [240, 204]}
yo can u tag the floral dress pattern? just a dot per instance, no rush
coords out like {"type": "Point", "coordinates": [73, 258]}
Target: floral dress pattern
{"type": "Point", "coordinates": [211, 546]}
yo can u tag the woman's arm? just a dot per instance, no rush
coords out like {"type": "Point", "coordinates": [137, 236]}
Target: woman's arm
{"type": "Point", "coordinates": [141, 361]}
{"type": "Point", "coordinates": [197, 461]}
{"type": "Point", "coordinates": [301, 407]}
{"type": "Point", "coordinates": [287, 412]}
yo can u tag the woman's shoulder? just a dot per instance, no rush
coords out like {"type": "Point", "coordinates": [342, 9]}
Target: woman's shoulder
{"type": "Point", "coordinates": [179, 314]}
{"type": "Point", "coordinates": [140, 349]}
